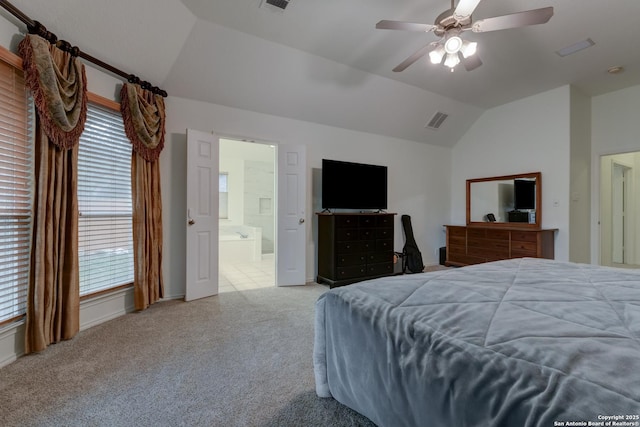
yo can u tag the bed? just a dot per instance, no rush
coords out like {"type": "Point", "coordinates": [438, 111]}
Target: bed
{"type": "Point", "coordinates": [521, 342]}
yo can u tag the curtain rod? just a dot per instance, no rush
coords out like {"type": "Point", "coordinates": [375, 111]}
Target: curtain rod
{"type": "Point", "coordinates": [35, 27]}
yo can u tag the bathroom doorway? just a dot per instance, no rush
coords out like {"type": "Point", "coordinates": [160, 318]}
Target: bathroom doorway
{"type": "Point", "coordinates": [620, 210]}
{"type": "Point", "coordinates": [247, 215]}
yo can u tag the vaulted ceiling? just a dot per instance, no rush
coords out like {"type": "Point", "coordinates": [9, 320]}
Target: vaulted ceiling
{"type": "Point", "coordinates": [324, 61]}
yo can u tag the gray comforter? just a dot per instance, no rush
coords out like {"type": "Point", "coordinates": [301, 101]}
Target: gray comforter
{"type": "Point", "coordinates": [525, 342]}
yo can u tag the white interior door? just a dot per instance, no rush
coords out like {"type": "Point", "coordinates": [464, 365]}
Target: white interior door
{"type": "Point", "coordinates": [202, 215]}
{"type": "Point", "coordinates": [291, 223]}
{"type": "Point", "coordinates": [617, 213]}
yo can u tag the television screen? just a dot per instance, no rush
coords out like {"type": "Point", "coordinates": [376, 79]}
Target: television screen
{"type": "Point", "coordinates": [524, 196]}
{"type": "Point", "coordinates": [347, 185]}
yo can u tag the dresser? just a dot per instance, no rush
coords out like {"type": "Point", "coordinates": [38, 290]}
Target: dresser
{"type": "Point", "coordinates": [354, 246]}
{"type": "Point", "coordinates": [476, 244]}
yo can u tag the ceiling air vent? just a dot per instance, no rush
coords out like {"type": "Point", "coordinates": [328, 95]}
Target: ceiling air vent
{"type": "Point", "coordinates": [275, 4]}
{"type": "Point", "coordinates": [437, 120]}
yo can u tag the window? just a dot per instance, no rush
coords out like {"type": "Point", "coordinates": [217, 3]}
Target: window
{"type": "Point", "coordinates": [104, 201]}
{"type": "Point", "coordinates": [223, 189]}
{"type": "Point", "coordinates": [16, 159]}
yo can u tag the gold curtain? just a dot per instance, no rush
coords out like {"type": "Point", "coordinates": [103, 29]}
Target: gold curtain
{"type": "Point", "coordinates": [58, 84]}
{"type": "Point", "coordinates": [144, 118]}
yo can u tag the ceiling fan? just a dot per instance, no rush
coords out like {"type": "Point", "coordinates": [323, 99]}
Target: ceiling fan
{"type": "Point", "coordinates": [450, 25]}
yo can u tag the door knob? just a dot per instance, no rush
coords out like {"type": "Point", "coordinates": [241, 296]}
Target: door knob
{"type": "Point", "coordinates": [191, 222]}
{"type": "Point", "coordinates": [301, 220]}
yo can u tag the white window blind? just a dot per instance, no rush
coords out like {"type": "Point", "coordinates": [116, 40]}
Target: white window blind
{"type": "Point", "coordinates": [15, 192]}
{"type": "Point", "coordinates": [104, 200]}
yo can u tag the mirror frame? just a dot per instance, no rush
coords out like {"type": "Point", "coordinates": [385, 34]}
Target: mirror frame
{"type": "Point", "coordinates": [536, 225]}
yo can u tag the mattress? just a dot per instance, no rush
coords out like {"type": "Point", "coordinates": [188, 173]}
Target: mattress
{"type": "Point", "coordinates": [522, 342]}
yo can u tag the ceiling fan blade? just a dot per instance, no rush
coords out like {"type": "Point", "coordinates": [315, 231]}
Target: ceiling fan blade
{"type": "Point", "coordinates": [413, 58]}
{"type": "Point", "coordinates": [520, 19]}
{"type": "Point", "coordinates": [472, 62]}
{"type": "Point", "coordinates": [464, 9]}
{"type": "Point", "coordinates": [407, 26]}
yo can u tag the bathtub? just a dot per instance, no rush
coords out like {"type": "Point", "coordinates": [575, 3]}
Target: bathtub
{"type": "Point", "coordinates": [239, 243]}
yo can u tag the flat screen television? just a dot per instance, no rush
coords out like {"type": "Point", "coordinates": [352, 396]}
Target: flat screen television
{"type": "Point", "coordinates": [524, 194]}
{"type": "Point", "coordinates": [347, 185]}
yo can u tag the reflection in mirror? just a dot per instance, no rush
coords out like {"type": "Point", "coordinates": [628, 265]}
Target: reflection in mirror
{"type": "Point", "coordinates": [507, 200]}
{"type": "Point", "coordinates": [491, 197]}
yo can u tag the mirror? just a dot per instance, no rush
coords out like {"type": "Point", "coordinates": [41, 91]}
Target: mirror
{"type": "Point", "coordinates": [505, 201]}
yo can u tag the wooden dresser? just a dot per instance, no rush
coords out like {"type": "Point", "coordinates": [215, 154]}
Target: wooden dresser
{"type": "Point", "coordinates": [476, 244]}
{"type": "Point", "coordinates": [353, 247]}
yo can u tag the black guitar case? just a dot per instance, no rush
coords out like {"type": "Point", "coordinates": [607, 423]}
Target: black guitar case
{"type": "Point", "coordinates": [412, 258]}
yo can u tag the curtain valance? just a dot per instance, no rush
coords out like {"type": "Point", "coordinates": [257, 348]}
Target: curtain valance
{"type": "Point", "coordinates": [143, 113]}
{"type": "Point", "coordinates": [59, 86]}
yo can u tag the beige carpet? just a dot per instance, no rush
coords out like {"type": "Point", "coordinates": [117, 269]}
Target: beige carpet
{"type": "Point", "coordinates": [237, 359]}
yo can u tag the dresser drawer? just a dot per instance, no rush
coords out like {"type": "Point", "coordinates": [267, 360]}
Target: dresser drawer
{"type": "Point", "coordinates": [383, 233]}
{"type": "Point", "coordinates": [350, 246]}
{"type": "Point", "coordinates": [524, 236]}
{"type": "Point", "coordinates": [366, 234]}
{"type": "Point", "coordinates": [351, 272]}
{"type": "Point", "coordinates": [384, 245]}
{"type": "Point", "coordinates": [524, 249]}
{"type": "Point", "coordinates": [378, 269]}
{"type": "Point", "coordinates": [457, 241]}
{"type": "Point", "coordinates": [497, 234]}
{"type": "Point", "coordinates": [384, 221]}
{"type": "Point", "coordinates": [343, 234]}
{"type": "Point", "coordinates": [457, 232]}
{"type": "Point", "coordinates": [489, 252]}
{"type": "Point", "coordinates": [379, 257]}
{"type": "Point", "coordinates": [368, 245]}
{"type": "Point", "coordinates": [524, 246]}
{"type": "Point", "coordinates": [350, 259]}
{"type": "Point", "coordinates": [456, 249]}
{"type": "Point", "coordinates": [346, 221]}
{"type": "Point", "coordinates": [476, 233]}
{"type": "Point", "coordinates": [489, 244]}
{"type": "Point", "coordinates": [465, 259]}
{"type": "Point", "coordinates": [367, 221]}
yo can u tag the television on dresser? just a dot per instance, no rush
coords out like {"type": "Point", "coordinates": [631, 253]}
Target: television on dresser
{"type": "Point", "coordinates": [524, 194]}
{"type": "Point", "coordinates": [348, 185]}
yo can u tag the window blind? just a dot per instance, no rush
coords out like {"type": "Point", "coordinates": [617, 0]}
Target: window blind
{"type": "Point", "coordinates": [16, 161]}
{"type": "Point", "coordinates": [104, 201]}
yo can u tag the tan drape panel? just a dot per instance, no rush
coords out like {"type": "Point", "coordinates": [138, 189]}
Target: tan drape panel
{"type": "Point", "coordinates": [58, 83]}
{"type": "Point", "coordinates": [147, 231]}
{"type": "Point", "coordinates": [144, 117]}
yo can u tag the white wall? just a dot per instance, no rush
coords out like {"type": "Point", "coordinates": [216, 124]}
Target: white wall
{"type": "Point", "coordinates": [418, 174]}
{"type": "Point", "coordinates": [580, 173]}
{"type": "Point", "coordinates": [615, 128]}
{"type": "Point", "coordinates": [528, 135]}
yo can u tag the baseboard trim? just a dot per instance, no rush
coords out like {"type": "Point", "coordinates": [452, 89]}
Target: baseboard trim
{"type": "Point", "coordinates": [11, 343]}
{"type": "Point", "coordinates": [102, 308]}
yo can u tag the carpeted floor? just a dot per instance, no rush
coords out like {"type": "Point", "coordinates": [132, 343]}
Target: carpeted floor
{"type": "Point", "coordinates": [237, 359]}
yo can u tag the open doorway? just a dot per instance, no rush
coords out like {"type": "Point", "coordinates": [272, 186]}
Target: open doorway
{"type": "Point", "coordinates": [247, 213]}
{"type": "Point", "coordinates": [619, 210]}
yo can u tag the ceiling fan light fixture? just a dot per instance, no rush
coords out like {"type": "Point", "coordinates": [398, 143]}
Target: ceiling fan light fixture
{"type": "Point", "coordinates": [436, 55]}
{"type": "Point", "coordinates": [453, 45]}
{"type": "Point", "coordinates": [452, 60]}
{"type": "Point", "coordinates": [468, 48]}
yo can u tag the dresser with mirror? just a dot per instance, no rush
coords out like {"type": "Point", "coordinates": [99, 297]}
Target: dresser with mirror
{"type": "Point", "coordinates": [503, 221]}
